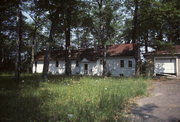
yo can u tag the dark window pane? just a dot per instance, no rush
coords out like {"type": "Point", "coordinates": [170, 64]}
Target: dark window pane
{"type": "Point", "coordinates": [77, 63]}
{"type": "Point", "coordinates": [86, 66]}
{"type": "Point", "coordinates": [101, 61]}
{"type": "Point", "coordinates": [57, 63]}
{"type": "Point", "coordinates": [121, 63]}
{"type": "Point", "coordinates": [129, 63]}
{"type": "Point", "coordinates": [35, 63]}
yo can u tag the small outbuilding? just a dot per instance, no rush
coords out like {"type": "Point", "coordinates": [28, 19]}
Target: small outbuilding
{"type": "Point", "coordinates": [164, 62]}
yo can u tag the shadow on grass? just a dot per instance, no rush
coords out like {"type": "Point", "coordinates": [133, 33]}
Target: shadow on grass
{"type": "Point", "coordinates": [14, 107]}
{"type": "Point", "coordinates": [8, 81]}
{"type": "Point", "coordinates": [18, 108]}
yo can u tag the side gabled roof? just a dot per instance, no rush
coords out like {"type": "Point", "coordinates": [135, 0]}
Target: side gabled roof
{"type": "Point", "coordinates": [121, 50]}
{"type": "Point", "coordinates": [93, 54]}
{"type": "Point", "coordinates": [174, 50]}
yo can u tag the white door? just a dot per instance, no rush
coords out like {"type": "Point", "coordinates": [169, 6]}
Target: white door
{"type": "Point", "coordinates": [165, 65]}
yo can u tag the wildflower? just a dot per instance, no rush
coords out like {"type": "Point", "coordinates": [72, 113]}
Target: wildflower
{"type": "Point", "coordinates": [105, 88]}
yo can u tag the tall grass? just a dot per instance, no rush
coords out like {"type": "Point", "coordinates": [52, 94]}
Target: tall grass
{"type": "Point", "coordinates": [74, 98]}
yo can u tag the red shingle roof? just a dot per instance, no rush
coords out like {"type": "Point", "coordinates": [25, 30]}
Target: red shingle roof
{"type": "Point", "coordinates": [93, 53]}
{"type": "Point", "coordinates": [123, 49]}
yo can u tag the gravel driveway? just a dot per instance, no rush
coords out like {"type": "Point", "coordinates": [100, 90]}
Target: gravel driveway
{"type": "Point", "coordinates": [163, 105]}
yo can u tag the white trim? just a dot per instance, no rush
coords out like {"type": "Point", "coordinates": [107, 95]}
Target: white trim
{"type": "Point", "coordinates": [159, 57]}
{"type": "Point", "coordinates": [84, 60]}
{"type": "Point", "coordinates": [177, 66]}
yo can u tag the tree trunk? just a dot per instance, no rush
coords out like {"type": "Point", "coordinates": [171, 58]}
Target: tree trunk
{"type": "Point", "coordinates": [137, 60]}
{"type": "Point", "coordinates": [146, 51]}
{"type": "Point", "coordinates": [146, 42]}
{"type": "Point", "coordinates": [104, 60]}
{"type": "Point", "coordinates": [2, 56]}
{"type": "Point", "coordinates": [68, 39]}
{"type": "Point", "coordinates": [47, 52]}
{"type": "Point", "coordinates": [54, 20]}
{"type": "Point", "coordinates": [135, 40]}
{"type": "Point", "coordinates": [18, 47]}
{"type": "Point", "coordinates": [102, 37]}
{"type": "Point", "coordinates": [33, 48]}
{"type": "Point", "coordinates": [134, 30]}
{"type": "Point", "coordinates": [160, 35]}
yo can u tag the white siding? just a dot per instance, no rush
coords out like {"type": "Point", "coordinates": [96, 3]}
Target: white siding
{"type": "Point", "coordinates": [39, 67]}
{"type": "Point", "coordinates": [94, 67]}
{"type": "Point", "coordinates": [56, 70]}
{"type": "Point", "coordinates": [113, 66]}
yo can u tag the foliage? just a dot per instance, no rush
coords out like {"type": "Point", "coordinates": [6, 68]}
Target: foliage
{"type": "Point", "coordinates": [157, 20]}
{"type": "Point", "coordinates": [163, 45]}
{"type": "Point", "coordinates": [7, 32]}
{"type": "Point", "coordinates": [73, 98]}
{"type": "Point", "coordinates": [105, 21]}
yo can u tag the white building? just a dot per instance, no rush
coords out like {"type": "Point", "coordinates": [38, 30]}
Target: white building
{"type": "Point", "coordinates": [164, 62]}
{"type": "Point", "coordinates": [120, 61]}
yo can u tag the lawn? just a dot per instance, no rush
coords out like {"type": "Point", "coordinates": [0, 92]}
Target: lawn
{"type": "Point", "coordinates": [74, 98]}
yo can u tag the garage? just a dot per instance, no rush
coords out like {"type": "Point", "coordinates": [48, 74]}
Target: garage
{"type": "Point", "coordinates": [165, 66]}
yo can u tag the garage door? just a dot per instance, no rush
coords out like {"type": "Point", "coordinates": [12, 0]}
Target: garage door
{"type": "Point", "coordinates": [165, 66]}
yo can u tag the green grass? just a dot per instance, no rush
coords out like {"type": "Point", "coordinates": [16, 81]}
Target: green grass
{"type": "Point", "coordinates": [75, 98]}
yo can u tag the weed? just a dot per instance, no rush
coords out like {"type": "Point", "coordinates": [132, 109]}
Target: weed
{"type": "Point", "coordinates": [71, 98]}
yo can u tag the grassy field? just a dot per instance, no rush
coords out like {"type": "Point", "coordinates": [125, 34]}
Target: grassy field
{"type": "Point", "coordinates": [74, 98]}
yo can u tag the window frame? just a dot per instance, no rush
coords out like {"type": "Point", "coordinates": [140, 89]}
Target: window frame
{"type": "Point", "coordinates": [130, 64]}
{"type": "Point", "coordinates": [122, 63]}
{"type": "Point", "coordinates": [35, 63]}
{"type": "Point", "coordinates": [85, 66]}
{"type": "Point", "coordinates": [77, 63]}
{"type": "Point", "coordinates": [57, 63]}
{"type": "Point", "coordinates": [101, 61]}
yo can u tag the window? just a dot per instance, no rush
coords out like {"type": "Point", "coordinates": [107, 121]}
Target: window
{"type": "Point", "coordinates": [101, 61]}
{"type": "Point", "coordinates": [121, 63]}
{"type": "Point", "coordinates": [35, 63]}
{"type": "Point", "coordinates": [85, 69]}
{"type": "Point", "coordinates": [129, 63]}
{"type": "Point", "coordinates": [77, 63]}
{"type": "Point", "coordinates": [85, 66]}
{"type": "Point", "coordinates": [57, 63]}
{"type": "Point", "coordinates": [121, 75]}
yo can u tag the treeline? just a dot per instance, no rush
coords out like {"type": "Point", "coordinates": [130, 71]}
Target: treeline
{"type": "Point", "coordinates": [31, 26]}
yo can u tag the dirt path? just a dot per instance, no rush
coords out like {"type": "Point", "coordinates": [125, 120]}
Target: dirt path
{"type": "Point", "coordinates": [163, 105]}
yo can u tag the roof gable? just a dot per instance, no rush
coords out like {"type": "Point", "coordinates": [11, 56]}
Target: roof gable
{"type": "Point", "coordinates": [84, 60]}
